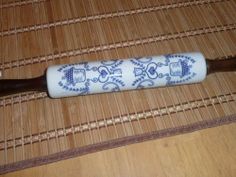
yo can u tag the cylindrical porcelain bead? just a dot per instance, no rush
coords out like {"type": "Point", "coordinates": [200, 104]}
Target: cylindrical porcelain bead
{"type": "Point", "coordinates": [125, 74]}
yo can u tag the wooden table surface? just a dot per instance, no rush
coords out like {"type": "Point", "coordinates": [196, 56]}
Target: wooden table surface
{"type": "Point", "coordinates": [209, 152]}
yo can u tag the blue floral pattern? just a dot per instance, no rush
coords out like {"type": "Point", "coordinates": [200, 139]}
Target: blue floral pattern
{"type": "Point", "coordinates": [146, 70]}
{"type": "Point", "coordinates": [115, 75]}
{"type": "Point", "coordinates": [180, 69]}
{"type": "Point", "coordinates": [79, 77]}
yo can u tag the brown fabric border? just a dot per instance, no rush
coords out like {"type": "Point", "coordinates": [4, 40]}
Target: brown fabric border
{"type": "Point", "coordinates": [115, 143]}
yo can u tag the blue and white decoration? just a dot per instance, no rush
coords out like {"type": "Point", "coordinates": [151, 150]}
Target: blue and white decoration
{"type": "Point", "coordinates": [116, 75]}
{"type": "Point", "coordinates": [84, 78]}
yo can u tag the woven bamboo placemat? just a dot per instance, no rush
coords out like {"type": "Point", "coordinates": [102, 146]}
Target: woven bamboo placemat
{"type": "Point", "coordinates": [34, 34]}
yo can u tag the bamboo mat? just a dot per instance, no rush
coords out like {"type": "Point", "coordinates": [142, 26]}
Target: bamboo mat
{"type": "Point", "coordinates": [34, 34]}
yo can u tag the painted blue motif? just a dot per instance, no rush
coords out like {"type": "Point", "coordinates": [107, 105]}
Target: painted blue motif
{"type": "Point", "coordinates": [105, 74]}
{"type": "Point", "coordinates": [79, 77]}
{"type": "Point", "coordinates": [180, 68]}
{"type": "Point", "coordinates": [180, 71]}
{"type": "Point", "coordinates": [108, 76]}
{"type": "Point", "coordinates": [74, 76]}
{"type": "Point", "coordinates": [147, 71]}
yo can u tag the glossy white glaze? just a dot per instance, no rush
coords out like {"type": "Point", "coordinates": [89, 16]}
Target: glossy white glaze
{"type": "Point", "coordinates": [125, 74]}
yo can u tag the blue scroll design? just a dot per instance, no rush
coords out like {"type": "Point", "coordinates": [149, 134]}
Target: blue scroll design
{"type": "Point", "coordinates": [75, 76]}
{"type": "Point", "coordinates": [181, 69]}
{"type": "Point", "coordinates": [147, 71]}
{"type": "Point", "coordinates": [145, 83]}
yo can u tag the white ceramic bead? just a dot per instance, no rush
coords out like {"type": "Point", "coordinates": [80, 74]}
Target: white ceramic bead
{"type": "Point", "coordinates": [125, 74]}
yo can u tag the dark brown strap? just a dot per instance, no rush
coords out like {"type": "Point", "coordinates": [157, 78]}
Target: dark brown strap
{"type": "Point", "coordinates": [224, 65]}
{"type": "Point", "coordinates": [12, 86]}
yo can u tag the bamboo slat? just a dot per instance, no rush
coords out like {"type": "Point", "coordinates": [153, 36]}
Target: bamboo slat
{"type": "Point", "coordinates": [35, 34]}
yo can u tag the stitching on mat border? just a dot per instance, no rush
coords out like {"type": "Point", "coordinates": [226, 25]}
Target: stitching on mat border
{"type": "Point", "coordinates": [115, 143]}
